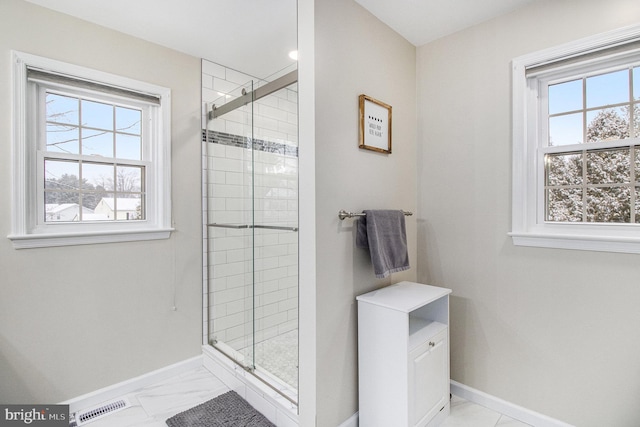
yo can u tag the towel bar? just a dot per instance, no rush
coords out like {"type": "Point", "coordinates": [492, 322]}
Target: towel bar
{"type": "Point", "coordinates": [344, 214]}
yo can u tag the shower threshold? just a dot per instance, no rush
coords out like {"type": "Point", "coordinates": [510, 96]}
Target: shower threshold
{"type": "Point", "coordinates": [258, 372]}
{"type": "Point", "coordinates": [246, 384]}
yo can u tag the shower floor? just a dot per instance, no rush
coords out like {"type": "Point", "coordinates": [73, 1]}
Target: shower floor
{"type": "Point", "coordinates": [279, 357]}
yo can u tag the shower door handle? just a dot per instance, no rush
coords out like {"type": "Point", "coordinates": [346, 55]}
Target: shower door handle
{"type": "Point", "coordinates": [237, 226]}
{"type": "Point", "coordinates": [241, 226]}
{"type": "Point", "coordinates": [276, 227]}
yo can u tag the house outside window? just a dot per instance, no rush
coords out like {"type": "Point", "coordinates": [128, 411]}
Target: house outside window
{"type": "Point", "coordinates": [91, 156]}
{"type": "Point", "coordinates": [576, 145]}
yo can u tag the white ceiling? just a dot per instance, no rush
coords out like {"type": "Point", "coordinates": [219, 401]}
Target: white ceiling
{"type": "Point", "coordinates": [252, 36]}
{"type": "Point", "coordinates": [422, 21]}
{"type": "Point", "coordinates": [255, 36]}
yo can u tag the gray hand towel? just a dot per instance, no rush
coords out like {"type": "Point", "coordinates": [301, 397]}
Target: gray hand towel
{"type": "Point", "coordinates": [383, 232]}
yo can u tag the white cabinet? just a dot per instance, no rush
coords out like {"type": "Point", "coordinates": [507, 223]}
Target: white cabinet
{"type": "Point", "coordinates": [428, 366]}
{"type": "Point", "coordinates": [403, 356]}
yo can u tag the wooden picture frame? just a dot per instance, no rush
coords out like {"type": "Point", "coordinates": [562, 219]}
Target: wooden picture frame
{"type": "Point", "coordinates": [375, 125]}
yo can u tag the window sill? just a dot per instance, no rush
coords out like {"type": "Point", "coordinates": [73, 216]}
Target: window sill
{"type": "Point", "coordinates": [28, 241]}
{"type": "Point", "coordinates": [578, 242]}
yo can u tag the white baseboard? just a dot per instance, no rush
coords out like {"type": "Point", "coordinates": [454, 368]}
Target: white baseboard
{"type": "Point", "coordinates": [120, 389]}
{"type": "Point", "coordinates": [494, 403]}
{"type": "Point", "coordinates": [351, 422]}
{"type": "Point", "coordinates": [507, 408]}
{"type": "Point", "coordinates": [271, 404]}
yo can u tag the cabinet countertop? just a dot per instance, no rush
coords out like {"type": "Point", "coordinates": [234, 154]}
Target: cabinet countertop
{"type": "Point", "coordinates": [404, 296]}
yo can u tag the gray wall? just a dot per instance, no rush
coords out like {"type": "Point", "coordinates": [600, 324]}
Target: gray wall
{"type": "Point", "coordinates": [555, 331]}
{"type": "Point", "coordinates": [74, 319]}
{"type": "Point", "coordinates": [354, 54]}
{"type": "Point", "coordinates": [552, 330]}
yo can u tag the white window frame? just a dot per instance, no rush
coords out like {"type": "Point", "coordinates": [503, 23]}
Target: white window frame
{"type": "Point", "coordinates": [27, 228]}
{"type": "Point", "coordinates": [529, 131]}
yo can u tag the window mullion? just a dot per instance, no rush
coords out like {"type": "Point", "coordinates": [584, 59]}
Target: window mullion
{"type": "Point", "coordinates": [80, 151]}
{"type": "Point", "coordinates": [632, 156]}
{"type": "Point", "coordinates": [584, 152]}
{"type": "Point", "coordinates": [631, 109]}
{"type": "Point", "coordinates": [115, 193]}
{"type": "Point", "coordinates": [584, 185]}
{"type": "Point", "coordinates": [632, 184]}
{"type": "Point", "coordinates": [584, 110]}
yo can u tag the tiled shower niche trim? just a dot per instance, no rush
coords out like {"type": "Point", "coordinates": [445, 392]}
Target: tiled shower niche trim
{"type": "Point", "coordinates": [223, 138]}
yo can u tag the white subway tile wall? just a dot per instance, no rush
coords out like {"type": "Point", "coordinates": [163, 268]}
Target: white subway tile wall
{"type": "Point", "coordinates": [252, 273]}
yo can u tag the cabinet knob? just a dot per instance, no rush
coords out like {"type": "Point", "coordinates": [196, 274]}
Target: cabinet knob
{"type": "Point", "coordinates": [432, 344]}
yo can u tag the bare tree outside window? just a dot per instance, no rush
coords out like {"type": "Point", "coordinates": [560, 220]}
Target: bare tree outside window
{"type": "Point", "coordinates": [104, 142]}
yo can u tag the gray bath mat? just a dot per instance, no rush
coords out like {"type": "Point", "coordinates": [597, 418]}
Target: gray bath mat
{"type": "Point", "coordinates": [228, 410]}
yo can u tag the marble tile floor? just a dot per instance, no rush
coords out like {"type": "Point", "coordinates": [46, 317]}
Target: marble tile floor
{"type": "Point", "coordinates": [152, 405]}
{"type": "Point", "coordinates": [468, 414]}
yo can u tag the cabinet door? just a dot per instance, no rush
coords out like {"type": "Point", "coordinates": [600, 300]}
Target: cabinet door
{"type": "Point", "coordinates": [428, 379]}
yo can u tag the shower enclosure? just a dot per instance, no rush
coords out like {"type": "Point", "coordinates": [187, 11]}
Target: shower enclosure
{"type": "Point", "coordinates": [251, 217]}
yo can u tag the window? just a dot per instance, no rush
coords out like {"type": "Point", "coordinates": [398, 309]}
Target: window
{"type": "Point", "coordinates": [91, 156]}
{"type": "Point", "coordinates": [576, 165]}
{"type": "Point", "coordinates": [590, 153]}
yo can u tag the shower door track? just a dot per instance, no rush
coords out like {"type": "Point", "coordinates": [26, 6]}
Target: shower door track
{"type": "Point", "coordinates": [254, 95]}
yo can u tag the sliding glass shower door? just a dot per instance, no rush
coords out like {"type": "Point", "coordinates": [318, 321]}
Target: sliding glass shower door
{"type": "Point", "coordinates": [230, 231]}
{"type": "Point", "coordinates": [252, 217]}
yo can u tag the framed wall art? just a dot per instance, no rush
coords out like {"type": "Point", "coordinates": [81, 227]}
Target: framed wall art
{"type": "Point", "coordinates": [375, 125]}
